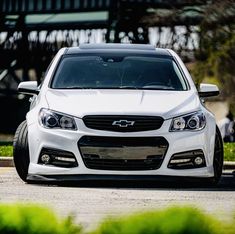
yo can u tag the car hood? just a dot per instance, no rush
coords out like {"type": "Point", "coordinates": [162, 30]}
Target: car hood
{"type": "Point", "coordinates": [123, 102]}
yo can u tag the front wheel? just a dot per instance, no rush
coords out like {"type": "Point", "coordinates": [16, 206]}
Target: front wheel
{"type": "Point", "coordinates": [218, 158]}
{"type": "Point", "coordinates": [21, 151]}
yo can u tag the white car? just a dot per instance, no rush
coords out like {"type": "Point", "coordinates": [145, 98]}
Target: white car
{"type": "Point", "coordinates": [115, 111]}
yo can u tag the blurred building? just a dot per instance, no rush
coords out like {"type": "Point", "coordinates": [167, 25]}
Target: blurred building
{"type": "Point", "coordinates": [32, 31]}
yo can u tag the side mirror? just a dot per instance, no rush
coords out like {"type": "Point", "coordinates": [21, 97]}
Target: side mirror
{"type": "Point", "coordinates": [28, 87]}
{"type": "Point", "coordinates": [208, 90]}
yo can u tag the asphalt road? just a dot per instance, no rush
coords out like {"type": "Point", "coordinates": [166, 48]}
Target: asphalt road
{"type": "Point", "coordinates": [89, 203]}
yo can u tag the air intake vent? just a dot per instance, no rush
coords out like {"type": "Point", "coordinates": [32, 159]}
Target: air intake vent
{"type": "Point", "coordinates": [123, 123]}
{"type": "Point", "coordinates": [122, 153]}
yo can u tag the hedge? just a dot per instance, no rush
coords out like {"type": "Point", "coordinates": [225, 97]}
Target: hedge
{"type": "Point", "coordinates": [34, 219]}
{"type": "Point", "coordinates": [229, 151]}
{"type": "Point", "coordinates": [175, 220]}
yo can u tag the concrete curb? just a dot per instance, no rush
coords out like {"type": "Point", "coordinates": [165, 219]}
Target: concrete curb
{"type": "Point", "coordinates": [8, 162]}
{"type": "Point", "coordinates": [229, 165]}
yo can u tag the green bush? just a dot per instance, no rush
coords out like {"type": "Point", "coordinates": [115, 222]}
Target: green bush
{"type": "Point", "coordinates": [176, 220]}
{"type": "Point", "coordinates": [6, 150]}
{"type": "Point", "coordinates": [33, 219]}
{"type": "Point", "coordinates": [229, 151]}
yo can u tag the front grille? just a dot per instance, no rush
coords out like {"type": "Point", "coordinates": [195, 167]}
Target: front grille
{"type": "Point", "coordinates": [123, 123]}
{"type": "Point", "coordinates": [122, 153]}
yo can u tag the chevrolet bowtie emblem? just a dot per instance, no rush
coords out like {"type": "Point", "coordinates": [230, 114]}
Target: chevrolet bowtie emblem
{"type": "Point", "coordinates": [123, 123]}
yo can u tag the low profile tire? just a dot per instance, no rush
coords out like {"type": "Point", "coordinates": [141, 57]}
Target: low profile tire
{"type": "Point", "coordinates": [21, 151]}
{"type": "Point", "coordinates": [218, 158]}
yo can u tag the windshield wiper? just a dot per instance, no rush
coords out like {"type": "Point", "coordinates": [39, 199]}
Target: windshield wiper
{"type": "Point", "coordinates": [158, 87]}
{"type": "Point", "coordinates": [71, 87]}
{"type": "Point", "coordinates": [128, 87]}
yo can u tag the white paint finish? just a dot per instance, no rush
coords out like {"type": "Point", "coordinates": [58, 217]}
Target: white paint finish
{"type": "Point", "coordinates": [208, 88]}
{"type": "Point", "coordinates": [124, 102]}
{"type": "Point", "coordinates": [79, 103]}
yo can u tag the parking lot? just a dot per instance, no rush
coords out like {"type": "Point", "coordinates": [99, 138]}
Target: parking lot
{"type": "Point", "coordinates": [89, 203]}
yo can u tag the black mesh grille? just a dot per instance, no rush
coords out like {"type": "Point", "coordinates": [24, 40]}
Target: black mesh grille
{"type": "Point", "coordinates": [122, 153]}
{"type": "Point", "coordinates": [117, 164]}
{"type": "Point", "coordinates": [123, 123]}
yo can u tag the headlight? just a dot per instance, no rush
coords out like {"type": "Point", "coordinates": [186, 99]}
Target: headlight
{"type": "Point", "coordinates": [52, 119]}
{"type": "Point", "coordinates": [193, 122]}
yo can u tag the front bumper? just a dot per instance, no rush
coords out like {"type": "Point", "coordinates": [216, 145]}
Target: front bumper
{"type": "Point", "coordinates": [40, 137]}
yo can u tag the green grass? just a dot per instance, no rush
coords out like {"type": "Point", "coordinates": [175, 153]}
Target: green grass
{"type": "Point", "coordinates": [229, 150]}
{"type": "Point", "coordinates": [6, 150]}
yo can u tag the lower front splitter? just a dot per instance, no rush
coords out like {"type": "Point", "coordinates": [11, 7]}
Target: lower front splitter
{"type": "Point", "coordinates": [90, 177]}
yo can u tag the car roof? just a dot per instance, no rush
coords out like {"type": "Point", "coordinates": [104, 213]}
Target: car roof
{"type": "Point", "coordinates": [118, 48]}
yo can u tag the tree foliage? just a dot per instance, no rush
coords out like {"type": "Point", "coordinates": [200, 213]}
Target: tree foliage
{"type": "Point", "coordinates": [216, 53]}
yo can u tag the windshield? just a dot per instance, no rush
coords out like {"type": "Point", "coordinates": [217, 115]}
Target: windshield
{"type": "Point", "coordinates": [110, 72]}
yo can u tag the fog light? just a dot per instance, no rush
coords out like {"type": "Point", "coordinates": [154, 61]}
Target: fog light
{"type": "Point", "coordinates": [45, 158]}
{"type": "Point", "coordinates": [65, 159]}
{"type": "Point", "coordinates": [187, 160]}
{"type": "Point", "coordinates": [176, 161]}
{"type": "Point", "coordinates": [59, 158]}
{"type": "Point", "coordinates": [198, 161]}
